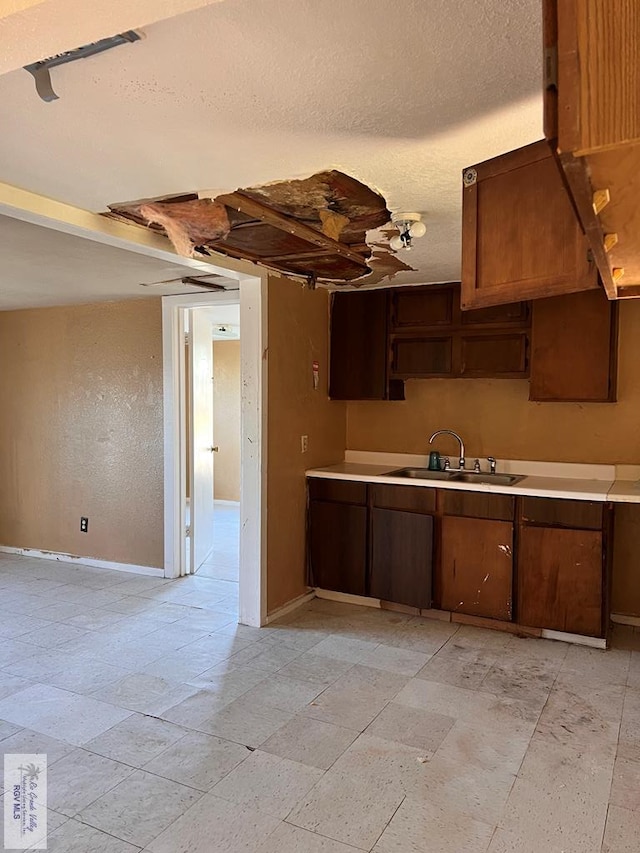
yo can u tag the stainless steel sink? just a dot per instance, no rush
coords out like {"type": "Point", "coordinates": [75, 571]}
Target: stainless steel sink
{"type": "Point", "coordinates": [457, 476]}
{"type": "Point", "coordinates": [421, 474]}
{"type": "Point", "coordinates": [496, 479]}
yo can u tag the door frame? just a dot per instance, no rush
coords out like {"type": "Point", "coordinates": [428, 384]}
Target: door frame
{"type": "Point", "coordinates": [253, 449]}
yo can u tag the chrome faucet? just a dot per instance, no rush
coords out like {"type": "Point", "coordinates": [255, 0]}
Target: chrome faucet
{"type": "Point", "coordinates": [461, 461]}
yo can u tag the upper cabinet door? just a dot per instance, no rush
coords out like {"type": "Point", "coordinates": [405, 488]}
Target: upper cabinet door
{"type": "Point", "coordinates": [358, 358]}
{"type": "Point", "coordinates": [520, 235]}
{"type": "Point", "coordinates": [592, 118]}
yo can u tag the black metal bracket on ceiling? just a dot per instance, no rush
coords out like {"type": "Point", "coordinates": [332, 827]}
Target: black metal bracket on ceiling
{"type": "Point", "coordinates": [40, 70]}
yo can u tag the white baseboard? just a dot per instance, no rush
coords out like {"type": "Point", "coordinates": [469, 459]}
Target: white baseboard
{"type": "Point", "coordinates": [578, 639]}
{"type": "Point", "coordinates": [621, 619]}
{"type": "Point", "coordinates": [347, 598]}
{"type": "Point", "coordinates": [83, 561]}
{"type": "Point", "coordinates": [226, 503]}
{"type": "Point", "coordinates": [288, 608]}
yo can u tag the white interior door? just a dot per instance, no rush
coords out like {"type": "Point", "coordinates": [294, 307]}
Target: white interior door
{"type": "Point", "coordinates": [201, 438]}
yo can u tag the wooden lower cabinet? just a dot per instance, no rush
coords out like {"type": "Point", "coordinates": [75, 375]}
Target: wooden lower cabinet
{"type": "Point", "coordinates": [401, 557]}
{"type": "Point", "coordinates": [560, 579]}
{"type": "Point", "coordinates": [477, 567]}
{"type": "Point", "coordinates": [338, 546]}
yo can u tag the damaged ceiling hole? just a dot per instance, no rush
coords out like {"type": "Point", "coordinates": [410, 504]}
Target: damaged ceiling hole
{"type": "Point", "coordinates": [315, 228]}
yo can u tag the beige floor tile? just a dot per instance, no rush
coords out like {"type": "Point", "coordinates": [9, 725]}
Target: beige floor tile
{"type": "Point", "coordinates": [355, 699]}
{"type": "Point", "coordinates": [629, 740]}
{"type": "Point", "coordinates": [215, 825]}
{"type": "Point", "coordinates": [80, 778]}
{"type": "Point", "coordinates": [197, 708]}
{"type": "Point", "coordinates": [198, 760]}
{"type": "Point", "coordinates": [582, 716]}
{"type": "Point", "coordinates": [459, 665]}
{"type": "Point", "coordinates": [75, 837]}
{"type": "Point", "coordinates": [444, 829]}
{"type": "Point", "coordinates": [292, 839]}
{"type": "Point", "coordinates": [528, 680]}
{"type": "Point", "coordinates": [268, 783]}
{"type": "Point", "coordinates": [60, 713]}
{"type": "Point", "coordinates": [7, 730]}
{"type": "Point", "coordinates": [411, 726]}
{"type": "Point", "coordinates": [345, 649]}
{"type": "Point", "coordinates": [146, 694]}
{"type": "Point", "coordinates": [596, 666]}
{"type": "Point", "coordinates": [393, 659]}
{"type": "Point", "coordinates": [352, 811]}
{"type": "Point", "coordinates": [310, 741]}
{"type": "Point", "coordinates": [139, 808]}
{"type": "Point", "coordinates": [286, 694]}
{"type": "Point", "coordinates": [625, 790]}
{"type": "Point", "coordinates": [488, 747]}
{"type": "Point", "coordinates": [558, 803]}
{"type": "Point", "coordinates": [622, 831]}
{"type": "Point", "coordinates": [633, 677]}
{"type": "Point", "coordinates": [28, 741]}
{"type": "Point", "coordinates": [136, 740]}
{"type": "Point", "coordinates": [317, 669]}
{"type": "Point", "coordinates": [241, 723]}
{"type": "Point", "coordinates": [11, 684]}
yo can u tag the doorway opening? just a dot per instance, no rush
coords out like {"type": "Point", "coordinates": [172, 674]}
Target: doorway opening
{"type": "Point", "coordinates": [214, 441]}
{"type": "Point", "coordinates": [213, 432]}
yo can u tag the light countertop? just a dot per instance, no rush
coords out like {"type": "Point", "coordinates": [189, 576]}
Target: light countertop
{"type": "Point", "coordinates": [542, 479]}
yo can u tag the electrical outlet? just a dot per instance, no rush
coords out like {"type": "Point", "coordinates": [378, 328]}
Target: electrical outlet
{"type": "Point", "coordinates": [84, 524]}
{"type": "Point", "coordinates": [304, 443]}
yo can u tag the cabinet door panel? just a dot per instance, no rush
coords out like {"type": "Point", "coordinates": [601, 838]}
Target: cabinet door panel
{"type": "Point", "coordinates": [358, 359]}
{"type": "Point", "coordinates": [401, 557]}
{"type": "Point", "coordinates": [494, 355]}
{"type": "Point", "coordinates": [338, 546]}
{"type": "Point", "coordinates": [422, 357]}
{"type": "Point", "coordinates": [520, 235]}
{"type": "Point", "coordinates": [562, 366]}
{"type": "Point", "coordinates": [560, 580]}
{"type": "Point", "coordinates": [477, 567]}
{"type": "Point", "coordinates": [422, 306]}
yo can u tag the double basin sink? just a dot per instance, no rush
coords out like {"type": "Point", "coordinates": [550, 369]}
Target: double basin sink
{"type": "Point", "coordinates": [457, 476]}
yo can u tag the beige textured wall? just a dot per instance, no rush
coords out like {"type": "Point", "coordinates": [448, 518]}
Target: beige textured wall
{"type": "Point", "coordinates": [81, 430]}
{"type": "Point", "coordinates": [226, 419]}
{"type": "Point", "coordinates": [495, 417]}
{"type": "Point", "coordinates": [298, 334]}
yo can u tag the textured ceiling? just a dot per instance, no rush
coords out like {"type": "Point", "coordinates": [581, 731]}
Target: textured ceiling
{"type": "Point", "coordinates": [40, 267]}
{"type": "Point", "coordinates": [401, 96]}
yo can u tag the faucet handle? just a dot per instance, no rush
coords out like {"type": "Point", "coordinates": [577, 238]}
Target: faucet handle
{"type": "Point", "coordinates": [447, 464]}
{"type": "Point", "coordinates": [476, 466]}
{"type": "Point", "coordinates": [492, 463]}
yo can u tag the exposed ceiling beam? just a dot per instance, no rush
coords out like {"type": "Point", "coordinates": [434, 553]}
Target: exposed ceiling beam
{"type": "Point", "coordinates": [31, 30]}
{"type": "Point", "coordinates": [249, 206]}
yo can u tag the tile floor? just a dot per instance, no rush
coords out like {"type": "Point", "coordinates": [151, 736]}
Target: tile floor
{"type": "Point", "coordinates": [171, 729]}
{"type": "Point", "coordinates": [224, 560]}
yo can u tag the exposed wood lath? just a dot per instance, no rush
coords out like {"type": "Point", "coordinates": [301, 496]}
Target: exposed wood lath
{"type": "Point", "coordinates": [314, 228]}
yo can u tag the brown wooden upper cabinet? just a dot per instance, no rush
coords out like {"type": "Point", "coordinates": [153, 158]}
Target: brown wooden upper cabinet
{"type": "Point", "coordinates": [574, 346]}
{"type": "Point", "coordinates": [358, 356]}
{"type": "Point", "coordinates": [592, 119]}
{"type": "Point", "coordinates": [431, 337]}
{"type": "Point", "coordinates": [521, 238]}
